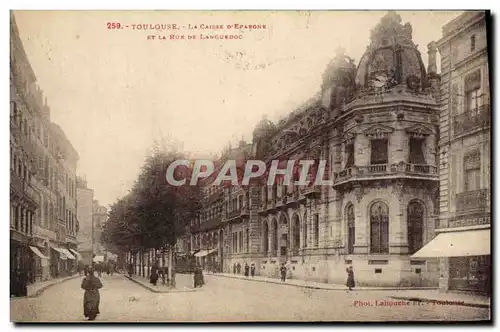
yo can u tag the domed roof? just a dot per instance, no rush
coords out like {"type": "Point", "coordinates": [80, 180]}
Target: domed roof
{"type": "Point", "coordinates": [338, 81]}
{"type": "Point", "coordinates": [338, 70]}
{"type": "Point", "coordinates": [263, 128]}
{"type": "Point", "coordinates": [391, 57]}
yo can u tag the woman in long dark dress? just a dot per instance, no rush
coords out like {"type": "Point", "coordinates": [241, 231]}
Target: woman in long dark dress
{"type": "Point", "coordinates": [91, 298]}
{"type": "Point", "coordinates": [350, 277]}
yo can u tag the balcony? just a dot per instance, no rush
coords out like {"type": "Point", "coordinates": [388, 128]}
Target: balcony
{"type": "Point", "coordinates": [472, 201]}
{"type": "Point", "coordinates": [472, 120]}
{"type": "Point", "coordinates": [210, 224]}
{"type": "Point", "coordinates": [271, 204]}
{"type": "Point", "coordinates": [238, 213]}
{"type": "Point", "coordinates": [311, 191]}
{"type": "Point", "coordinates": [475, 219]}
{"type": "Point", "coordinates": [401, 169]}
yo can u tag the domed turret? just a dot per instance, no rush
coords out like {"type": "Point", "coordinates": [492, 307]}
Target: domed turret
{"type": "Point", "coordinates": [391, 58]}
{"type": "Point", "coordinates": [263, 128]}
{"type": "Point", "coordinates": [338, 81]}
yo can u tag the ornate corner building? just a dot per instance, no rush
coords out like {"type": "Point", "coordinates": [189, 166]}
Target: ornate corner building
{"type": "Point", "coordinates": [375, 127]}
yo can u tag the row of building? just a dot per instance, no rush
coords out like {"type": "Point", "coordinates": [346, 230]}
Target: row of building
{"type": "Point", "coordinates": [45, 218]}
{"type": "Point", "coordinates": [408, 152]}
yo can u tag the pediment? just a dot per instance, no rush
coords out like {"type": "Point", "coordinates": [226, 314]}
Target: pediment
{"type": "Point", "coordinates": [378, 131]}
{"type": "Point", "coordinates": [419, 130]}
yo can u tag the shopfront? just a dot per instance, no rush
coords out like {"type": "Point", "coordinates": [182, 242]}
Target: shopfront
{"type": "Point", "coordinates": [470, 273]}
{"type": "Point", "coordinates": [467, 259]}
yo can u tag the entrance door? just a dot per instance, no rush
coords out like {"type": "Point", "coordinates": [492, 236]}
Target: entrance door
{"type": "Point", "coordinates": [470, 273]}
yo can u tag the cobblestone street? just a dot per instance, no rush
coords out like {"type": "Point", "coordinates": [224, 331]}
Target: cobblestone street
{"type": "Point", "coordinates": [228, 300]}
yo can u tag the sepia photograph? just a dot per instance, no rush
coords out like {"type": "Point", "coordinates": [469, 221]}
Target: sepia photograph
{"type": "Point", "coordinates": [236, 166]}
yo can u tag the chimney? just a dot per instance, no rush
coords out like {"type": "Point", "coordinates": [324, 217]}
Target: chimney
{"type": "Point", "coordinates": [431, 51]}
{"type": "Point", "coordinates": [433, 77]}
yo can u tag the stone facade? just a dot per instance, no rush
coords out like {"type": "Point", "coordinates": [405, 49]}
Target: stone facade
{"type": "Point", "coordinates": [43, 166]}
{"type": "Point", "coordinates": [85, 199]}
{"type": "Point", "coordinates": [375, 127]}
{"type": "Point", "coordinates": [465, 139]}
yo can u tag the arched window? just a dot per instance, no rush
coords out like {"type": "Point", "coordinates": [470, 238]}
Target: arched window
{"type": "Point", "coordinates": [379, 228]}
{"type": "Point", "coordinates": [350, 228]}
{"type": "Point", "coordinates": [305, 230]}
{"type": "Point", "coordinates": [265, 238]}
{"type": "Point", "coordinates": [415, 226]}
{"type": "Point", "coordinates": [296, 233]}
{"type": "Point", "coordinates": [275, 237]}
{"type": "Point", "coordinates": [316, 230]}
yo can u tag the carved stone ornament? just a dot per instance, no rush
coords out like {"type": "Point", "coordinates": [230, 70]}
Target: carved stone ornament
{"type": "Point", "coordinates": [419, 131]}
{"type": "Point", "coordinates": [378, 131]}
{"type": "Point", "coordinates": [358, 192]}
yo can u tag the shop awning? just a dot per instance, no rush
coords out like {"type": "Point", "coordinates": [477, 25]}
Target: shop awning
{"type": "Point", "coordinates": [62, 254]}
{"type": "Point", "coordinates": [98, 259]}
{"type": "Point", "coordinates": [203, 253]}
{"type": "Point", "coordinates": [68, 253]}
{"type": "Point", "coordinates": [457, 244]}
{"type": "Point", "coordinates": [77, 254]}
{"type": "Point", "coordinates": [38, 253]}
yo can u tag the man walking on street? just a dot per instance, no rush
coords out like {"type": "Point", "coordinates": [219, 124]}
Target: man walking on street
{"type": "Point", "coordinates": [252, 270]}
{"type": "Point", "coordinates": [283, 272]}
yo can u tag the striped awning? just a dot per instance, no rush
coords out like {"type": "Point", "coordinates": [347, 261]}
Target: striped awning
{"type": "Point", "coordinates": [76, 253]}
{"type": "Point", "coordinates": [68, 253]}
{"type": "Point", "coordinates": [62, 254]}
{"type": "Point", "coordinates": [38, 252]}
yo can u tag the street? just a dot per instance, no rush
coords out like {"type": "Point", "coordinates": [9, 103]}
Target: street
{"type": "Point", "coordinates": [228, 300]}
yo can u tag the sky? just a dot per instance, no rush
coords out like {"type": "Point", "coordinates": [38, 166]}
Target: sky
{"type": "Point", "coordinates": [114, 92]}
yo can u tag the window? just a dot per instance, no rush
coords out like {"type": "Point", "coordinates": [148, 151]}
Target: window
{"type": "Point", "coordinates": [472, 168]}
{"type": "Point", "coordinates": [473, 91]}
{"type": "Point", "coordinates": [296, 233]}
{"type": "Point", "coordinates": [415, 220]}
{"type": "Point", "coordinates": [265, 237]}
{"type": "Point", "coordinates": [379, 228]}
{"type": "Point", "coordinates": [316, 230]}
{"type": "Point", "coordinates": [379, 151]}
{"type": "Point", "coordinates": [240, 241]}
{"type": "Point", "coordinates": [247, 235]}
{"type": "Point", "coordinates": [305, 230]}
{"type": "Point", "coordinates": [275, 237]}
{"type": "Point", "coordinates": [350, 228]}
{"type": "Point", "coordinates": [417, 151]}
{"type": "Point", "coordinates": [472, 43]}
{"type": "Point", "coordinates": [349, 155]}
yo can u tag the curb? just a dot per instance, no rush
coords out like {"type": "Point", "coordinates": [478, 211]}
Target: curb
{"type": "Point", "coordinates": [44, 288]}
{"type": "Point", "coordinates": [151, 289]}
{"type": "Point", "coordinates": [457, 303]}
{"type": "Point", "coordinates": [328, 289]}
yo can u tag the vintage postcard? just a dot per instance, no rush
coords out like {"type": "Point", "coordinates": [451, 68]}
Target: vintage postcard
{"type": "Point", "coordinates": [250, 166]}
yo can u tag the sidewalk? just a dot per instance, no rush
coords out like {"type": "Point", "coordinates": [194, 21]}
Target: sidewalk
{"type": "Point", "coordinates": [314, 284]}
{"type": "Point", "coordinates": [419, 294]}
{"type": "Point", "coordinates": [38, 288]}
{"type": "Point", "coordinates": [184, 283]}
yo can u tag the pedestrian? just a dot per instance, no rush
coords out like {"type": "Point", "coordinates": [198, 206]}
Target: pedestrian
{"type": "Point", "coordinates": [238, 268]}
{"type": "Point", "coordinates": [153, 278]}
{"type": "Point", "coordinates": [130, 269]}
{"type": "Point", "coordinates": [283, 272]}
{"type": "Point", "coordinates": [198, 277]}
{"type": "Point", "coordinates": [91, 298]}
{"type": "Point", "coordinates": [350, 278]}
{"type": "Point", "coordinates": [247, 270]}
{"type": "Point", "coordinates": [252, 270]}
